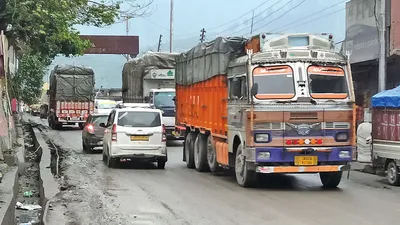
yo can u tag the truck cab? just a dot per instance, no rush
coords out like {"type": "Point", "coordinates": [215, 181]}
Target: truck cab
{"type": "Point", "coordinates": [164, 99]}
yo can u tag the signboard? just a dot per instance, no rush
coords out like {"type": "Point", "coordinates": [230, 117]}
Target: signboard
{"type": "Point", "coordinates": [113, 44]}
{"type": "Point", "coordinates": [361, 30]}
{"type": "Point", "coordinates": [164, 74]}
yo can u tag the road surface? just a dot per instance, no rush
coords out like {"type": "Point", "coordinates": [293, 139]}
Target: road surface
{"type": "Point", "coordinates": [145, 195]}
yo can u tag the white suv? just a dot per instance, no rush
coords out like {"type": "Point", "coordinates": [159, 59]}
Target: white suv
{"type": "Point", "coordinates": [135, 134]}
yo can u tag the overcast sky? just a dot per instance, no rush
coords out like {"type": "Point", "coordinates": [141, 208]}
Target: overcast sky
{"type": "Point", "coordinates": [218, 17]}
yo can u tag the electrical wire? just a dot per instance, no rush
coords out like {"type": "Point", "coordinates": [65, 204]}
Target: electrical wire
{"type": "Point", "coordinates": [308, 16]}
{"type": "Point", "coordinates": [229, 22]}
{"type": "Point", "coordinates": [313, 20]}
{"type": "Point", "coordinates": [248, 20]}
{"type": "Point", "coordinates": [263, 19]}
{"type": "Point", "coordinates": [285, 13]}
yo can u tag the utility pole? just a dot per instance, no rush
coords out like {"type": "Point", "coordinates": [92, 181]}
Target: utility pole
{"type": "Point", "coordinates": [159, 43]}
{"type": "Point", "coordinates": [382, 56]}
{"type": "Point", "coordinates": [252, 23]}
{"type": "Point", "coordinates": [171, 27]}
{"type": "Point", "coordinates": [202, 35]}
{"type": "Point", "coordinates": [127, 33]}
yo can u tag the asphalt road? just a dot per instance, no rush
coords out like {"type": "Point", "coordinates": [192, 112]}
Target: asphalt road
{"type": "Point", "coordinates": [141, 194]}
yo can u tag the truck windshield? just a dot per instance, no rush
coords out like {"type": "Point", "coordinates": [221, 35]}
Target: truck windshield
{"type": "Point", "coordinates": [164, 99]}
{"type": "Point", "coordinates": [274, 82]}
{"type": "Point", "coordinates": [107, 105]}
{"type": "Point", "coordinates": [327, 82]}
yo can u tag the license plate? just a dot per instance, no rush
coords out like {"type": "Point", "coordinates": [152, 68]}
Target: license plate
{"type": "Point", "coordinates": [100, 143]}
{"type": "Point", "coordinates": [75, 118]}
{"type": "Point", "coordinates": [306, 160]}
{"type": "Point", "coordinates": [139, 138]}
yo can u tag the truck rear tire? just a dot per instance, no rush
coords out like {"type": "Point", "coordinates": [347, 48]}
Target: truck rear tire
{"type": "Point", "coordinates": [211, 155]}
{"type": "Point", "coordinates": [244, 176]}
{"type": "Point", "coordinates": [331, 179]}
{"type": "Point", "coordinates": [200, 153]}
{"type": "Point", "coordinates": [393, 176]}
{"type": "Point", "coordinates": [189, 150]}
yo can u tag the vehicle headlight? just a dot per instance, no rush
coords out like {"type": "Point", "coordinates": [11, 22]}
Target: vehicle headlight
{"type": "Point", "coordinates": [342, 137]}
{"type": "Point", "coordinates": [262, 137]}
{"type": "Point", "coordinates": [344, 154]}
{"type": "Point", "coordinates": [263, 155]}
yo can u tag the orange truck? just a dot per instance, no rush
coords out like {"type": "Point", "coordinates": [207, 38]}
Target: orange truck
{"type": "Point", "coordinates": [271, 105]}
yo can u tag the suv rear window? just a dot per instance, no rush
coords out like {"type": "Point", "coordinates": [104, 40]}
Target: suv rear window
{"type": "Point", "coordinates": [139, 119]}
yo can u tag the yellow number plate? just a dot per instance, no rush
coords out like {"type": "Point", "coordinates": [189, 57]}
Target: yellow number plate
{"type": "Point", "coordinates": [306, 160]}
{"type": "Point", "coordinates": [139, 138]}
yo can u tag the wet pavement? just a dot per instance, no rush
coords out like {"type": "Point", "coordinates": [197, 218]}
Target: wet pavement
{"type": "Point", "coordinates": [142, 194]}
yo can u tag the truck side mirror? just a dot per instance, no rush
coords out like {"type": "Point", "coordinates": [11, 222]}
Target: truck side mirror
{"type": "Point", "coordinates": [102, 125]}
{"type": "Point", "coordinates": [237, 88]}
{"type": "Point", "coordinates": [254, 89]}
{"type": "Point", "coordinates": [147, 99]}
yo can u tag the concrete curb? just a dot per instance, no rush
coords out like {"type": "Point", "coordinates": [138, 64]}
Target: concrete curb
{"type": "Point", "coordinates": [10, 185]}
{"type": "Point", "coordinates": [49, 184]}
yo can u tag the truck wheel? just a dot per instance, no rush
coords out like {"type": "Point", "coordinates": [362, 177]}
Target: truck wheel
{"type": "Point", "coordinates": [211, 155]}
{"type": "Point", "coordinates": [111, 163]}
{"type": "Point", "coordinates": [393, 174]}
{"type": "Point", "coordinates": [244, 177]}
{"type": "Point", "coordinates": [81, 126]}
{"type": "Point", "coordinates": [189, 150]}
{"type": "Point", "coordinates": [330, 179]}
{"type": "Point", "coordinates": [200, 153]}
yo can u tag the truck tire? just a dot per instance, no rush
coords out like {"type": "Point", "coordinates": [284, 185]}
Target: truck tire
{"type": "Point", "coordinates": [393, 176]}
{"type": "Point", "coordinates": [244, 177]}
{"type": "Point", "coordinates": [200, 153]}
{"type": "Point", "coordinates": [211, 155]}
{"type": "Point", "coordinates": [189, 150]}
{"type": "Point", "coordinates": [330, 179]}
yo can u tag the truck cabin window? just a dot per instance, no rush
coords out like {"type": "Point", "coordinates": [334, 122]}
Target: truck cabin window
{"type": "Point", "coordinates": [327, 82]}
{"type": "Point", "coordinates": [164, 99]}
{"type": "Point", "coordinates": [274, 82]}
{"type": "Point", "coordinates": [238, 86]}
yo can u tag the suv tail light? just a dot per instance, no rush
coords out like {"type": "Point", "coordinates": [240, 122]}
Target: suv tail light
{"type": "Point", "coordinates": [164, 134]}
{"type": "Point", "coordinates": [114, 133]}
{"type": "Point", "coordinates": [90, 128]}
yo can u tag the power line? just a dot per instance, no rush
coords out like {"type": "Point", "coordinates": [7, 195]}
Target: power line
{"type": "Point", "coordinates": [289, 10]}
{"type": "Point", "coordinates": [263, 19]}
{"type": "Point", "coordinates": [308, 16]}
{"type": "Point", "coordinates": [232, 21]}
{"type": "Point", "coordinates": [315, 19]}
{"type": "Point", "coordinates": [251, 19]}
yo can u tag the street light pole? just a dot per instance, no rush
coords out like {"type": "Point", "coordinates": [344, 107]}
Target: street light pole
{"type": "Point", "coordinates": [171, 27]}
{"type": "Point", "coordinates": [382, 55]}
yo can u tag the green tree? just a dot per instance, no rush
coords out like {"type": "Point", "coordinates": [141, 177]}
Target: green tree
{"type": "Point", "coordinates": [26, 84]}
{"type": "Point", "coordinates": [43, 29]}
{"type": "Point", "coordinates": [46, 27]}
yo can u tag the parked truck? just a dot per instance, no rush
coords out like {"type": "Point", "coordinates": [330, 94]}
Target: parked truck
{"type": "Point", "coordinates": [71, 95]}
{"type": "Point", "coordinates": [271, 105]}
{"type": "Point", "coordinates": [386, 134]}
{"type": "Point", "coordinates": [151, 79]}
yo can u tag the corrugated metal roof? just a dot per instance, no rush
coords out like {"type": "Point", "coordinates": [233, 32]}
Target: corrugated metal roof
{"type": "Point", "coordinates": [113, 44]}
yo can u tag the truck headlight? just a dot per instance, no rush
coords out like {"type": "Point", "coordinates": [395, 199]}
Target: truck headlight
{"type": "Point", "coordinates": [263, 155]}
{"type": "Point", "coordinates": [342, 137]}
{"type": "Point", "coordinates": [344, 154]}
{"type": "Point", "coordinates": [262, 137]}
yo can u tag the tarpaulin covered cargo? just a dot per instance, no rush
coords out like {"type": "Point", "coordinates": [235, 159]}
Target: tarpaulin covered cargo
{"type": "Point", "coordinates": [208, 59]}
{"type": "Point", "coordinates": [388, 99]}
{"type": "Point", "coordinates": [135, 70]}
{"type": "Point", "coordinates": [72, 83]}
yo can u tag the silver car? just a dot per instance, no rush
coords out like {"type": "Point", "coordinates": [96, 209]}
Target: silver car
{"type": "Point", "coordinates": [93, 133]}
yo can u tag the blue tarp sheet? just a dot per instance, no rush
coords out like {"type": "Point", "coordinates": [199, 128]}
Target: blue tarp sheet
{"type": "Point", "coordinates": [389, 98]}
